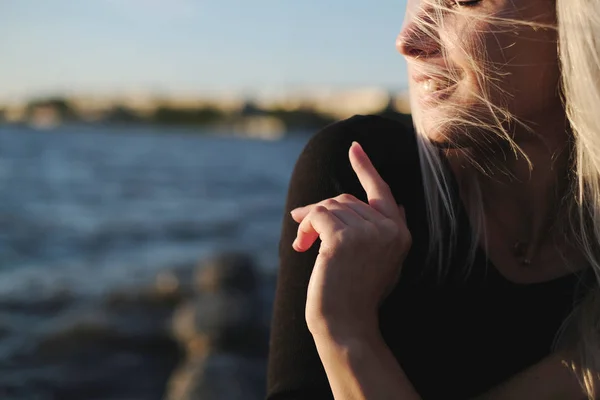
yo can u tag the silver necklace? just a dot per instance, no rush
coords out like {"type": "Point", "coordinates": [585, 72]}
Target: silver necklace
{"type": "Point", "coordinates": [520, 250]}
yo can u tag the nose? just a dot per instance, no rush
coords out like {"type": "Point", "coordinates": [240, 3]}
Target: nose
{"type": "Point", "coordinates": [419, 36]}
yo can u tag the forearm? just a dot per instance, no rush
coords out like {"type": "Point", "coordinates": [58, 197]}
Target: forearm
{"type": "Point", "coordinates": [361, 367]}
{"type": "Point", "coordinates": [550, 379]}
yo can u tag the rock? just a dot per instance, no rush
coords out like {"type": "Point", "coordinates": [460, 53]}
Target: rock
{"type": "Point", "coordinates": [145, 298]}
{"type": "Point", "coordinates": [127, 343]}
{"type": "Point", "coordinates": [115, 348]}
{"type": "Point", "coordinates": [178, 280]}
{"type": "Point", "coordinates": [113, 368]}
{"type": "Point", "coordinates": [227, 272]}
{"type": "Point", "coordinates": [94, 353]}
{"type": "Point", "coordinates": [71, 332]}
{"type": "Point", "coordinates": [171, 287]}
{"type": "Point", "coordinates": [219, 377]}
{"type": "Point", "coordinates": [37, 303]}
{"type": "Point", "coordinates": [223, 321]}
{"type": "Point", "coordinates": [224, 333]}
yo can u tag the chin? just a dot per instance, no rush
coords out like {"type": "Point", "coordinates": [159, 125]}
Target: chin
{"type": "Point", "coordinates": [455, 135]}
{"type": "Point", "coordinates": [447, 128]}
{"type": "Point", "coordinates": [439, 129]}
{"type": "Point", "coordinates": [450, 140]}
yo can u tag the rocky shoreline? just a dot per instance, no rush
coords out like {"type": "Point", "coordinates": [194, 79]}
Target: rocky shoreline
{"type": "Point", "coordinates": [197, 332]}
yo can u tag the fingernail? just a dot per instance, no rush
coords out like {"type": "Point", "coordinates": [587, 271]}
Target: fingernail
{"type": "Point", "coordinates": [359, 152]}
{"type": "Point", "coordinates": [295, 244]}
{"type": "Point", "coordinates": [294, 212]}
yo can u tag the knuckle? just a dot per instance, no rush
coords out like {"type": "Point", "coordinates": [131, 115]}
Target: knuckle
{"type": "Point", "coordinates": [346, 198]}
{"type": "Point", "coordinates": [329, 203]}
{"type": "Point", "coordinates": [320, 209]}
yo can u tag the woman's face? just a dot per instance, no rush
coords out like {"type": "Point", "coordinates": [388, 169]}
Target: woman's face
{"type": "Point", "coordinates": [479, 64]}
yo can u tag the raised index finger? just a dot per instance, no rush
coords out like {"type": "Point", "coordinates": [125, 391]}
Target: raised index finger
{"type": "Point", "coordinates": [378, 192]}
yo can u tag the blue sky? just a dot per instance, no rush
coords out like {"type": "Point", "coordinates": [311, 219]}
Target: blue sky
{"type": "Point", "coordinates": [194, 46]}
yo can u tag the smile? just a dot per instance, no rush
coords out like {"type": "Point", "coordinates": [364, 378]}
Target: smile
{"type": "Point", "coordinates": [434, 89]}
{"type": "Point", "coordinates": [434, 85]}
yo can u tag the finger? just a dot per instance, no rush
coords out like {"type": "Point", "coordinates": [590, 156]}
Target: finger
{"type": "Point", "coordinates": [341, 202]}
{"type": "Point", "coordinates": [320, 222]}
{"type": "Point", "coordinates": [345, 213]}
{"type": "Point", "coordinates": [378, 192]}
{"type": "Point", "coordinates": [361, 208]}
{"type": "Point", "coordinates": [298, 214]}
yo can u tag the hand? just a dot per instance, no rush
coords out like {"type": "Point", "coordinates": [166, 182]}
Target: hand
{"type": "Point", "coordinates": [362, 250]}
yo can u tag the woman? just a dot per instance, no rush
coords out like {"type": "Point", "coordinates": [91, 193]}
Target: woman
{"type": "Point", "coordinates": [461, 261]}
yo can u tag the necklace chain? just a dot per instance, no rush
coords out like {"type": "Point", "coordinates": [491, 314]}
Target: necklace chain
{"type": "Point", "coordinates": [520, 248]}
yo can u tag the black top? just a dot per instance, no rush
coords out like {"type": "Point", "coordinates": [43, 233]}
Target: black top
{"type": "Point", "coordinates": [454, 340]}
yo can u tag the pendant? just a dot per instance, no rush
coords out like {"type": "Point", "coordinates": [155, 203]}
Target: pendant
{"type": "Point", "coordinates": [520, 252]}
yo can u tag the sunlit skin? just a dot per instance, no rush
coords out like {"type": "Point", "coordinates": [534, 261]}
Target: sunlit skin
{"type": "Point", "coordinates": [354, 237]}
{"type": "Point", "coordinates": [344, 293]}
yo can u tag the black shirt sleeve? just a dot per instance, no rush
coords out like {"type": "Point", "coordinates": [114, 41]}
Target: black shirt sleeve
{"type": "Point", "coordinates": [322, 171]}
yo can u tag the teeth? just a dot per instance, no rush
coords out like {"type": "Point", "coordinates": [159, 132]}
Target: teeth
{"type": "Point", "coordinates": [433, 85]}
{"type": "Point", "coordinates": [430, 85]}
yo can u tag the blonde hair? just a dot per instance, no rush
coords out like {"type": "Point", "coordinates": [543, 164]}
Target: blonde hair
{"type": "Point", "coordinates": [578, 34]}
{"type": "Point", "coordinates": [579, 44]}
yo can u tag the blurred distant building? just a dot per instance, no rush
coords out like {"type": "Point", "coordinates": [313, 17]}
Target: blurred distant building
{"type": "Point", "coordinates": [260, 126]}
{"type": "Point", "coordinates": [348, 103]}
{"type": "Point", "coordinates": [263, 115]}
{"type": "Point", "coordinates": [143, 105]}
{"type": "Point", "coordinates": [224, 103]}
{"type": "Point", "coordinates": [229, 103]}
{"type": "Point", "coordinates": [91, 109]}
{"type": "Point", "coordinates": [337, 104]}
{"type": "Point", "coordinates": [15, 112]}
{"type": "Point", "coordinates": [44, 117]}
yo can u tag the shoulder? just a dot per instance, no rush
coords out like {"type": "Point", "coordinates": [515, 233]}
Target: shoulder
{"type": "Point", "coordinates": [390, 144]}
{"type": "Point", "coordinates": [379, 136]}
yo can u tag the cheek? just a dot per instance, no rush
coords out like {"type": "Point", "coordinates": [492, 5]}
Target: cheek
{"type": "Point", "coordinates": [501, 69]}
{"type": "Point", "coordinates": [527, 73]}
{"type": "Point", "coordinates": [447, 123]}
{"type": "Point", "coordinates": [465, 45]}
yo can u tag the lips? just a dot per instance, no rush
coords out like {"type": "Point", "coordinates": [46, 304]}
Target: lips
{"type": "Point", "coordinates": [432, 83]}
{"type": "Point", "coordinates": [434, 88]}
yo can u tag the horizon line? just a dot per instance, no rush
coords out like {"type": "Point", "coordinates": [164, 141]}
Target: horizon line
{"type": "Point", "coordinates": [243, 93]}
